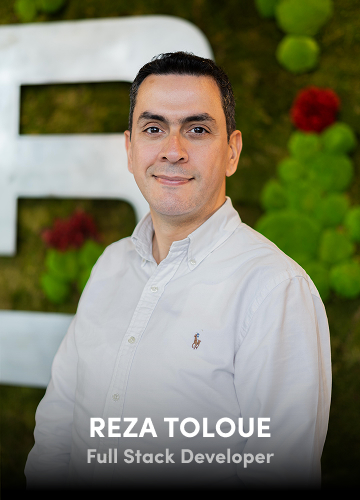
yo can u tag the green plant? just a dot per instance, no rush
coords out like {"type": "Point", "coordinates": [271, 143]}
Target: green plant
{"type": "Point", "coordinates": [303, 146]}
{"type": "Point", "coordinates": [335, 246]}
{"type": "Point", "coordinates": [308, 214]}
{"type": "Point", "coordinates": [352, 223]}
{"type": "Point", "coordinates": [339, 138]}
{"type": "Point", "coordinates": [50, 6]}
{"type": "Point", "coordinates": [27, 10]}
{"type": "Point", "coordinates": [304, 17]}
{"type": "Point", "coordinates": [293, 232]}
{"type": "Point", "coordinates": [56, 290]}
{"type": "Point", "coordinates": [298, 54]}
{"type": "Point", "coordinates": [64, 269]}
{"type": "Point", "coordinates": [330, 172]}
{"type": "Point", "coordinates": [72, 254]}
{"type": "Point", "coordinates": [273, 196]}
{"type": "Point", "coordinates": [266, 8]}
{"type": "Point", "coordinates": [331, 209]}
{"type": "Point", "coordinates": [301, 20]}
{"type": "Point", "coordinates": [345, 279]}
{"type": "Point", "coordinates": [291, 170]}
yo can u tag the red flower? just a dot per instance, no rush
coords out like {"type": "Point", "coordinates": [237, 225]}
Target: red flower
{"type": "Point", "coordinates": [71, 232]}
{"type": "Point", "coordinates": [314, 109]}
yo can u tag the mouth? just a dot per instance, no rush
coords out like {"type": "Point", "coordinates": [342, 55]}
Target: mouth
{"type": "Point", "coordinates": [172, 180]}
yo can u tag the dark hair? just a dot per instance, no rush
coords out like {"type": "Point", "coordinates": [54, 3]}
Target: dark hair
{"type": "Point", "coordinates": [184, 63]}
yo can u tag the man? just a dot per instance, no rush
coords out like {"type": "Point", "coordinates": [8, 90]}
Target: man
{"type": "Point", "coordinates": [199, 355]}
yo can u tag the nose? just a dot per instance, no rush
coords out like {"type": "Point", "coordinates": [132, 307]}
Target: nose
{"type": "Point", "coordinates": [173, 149]}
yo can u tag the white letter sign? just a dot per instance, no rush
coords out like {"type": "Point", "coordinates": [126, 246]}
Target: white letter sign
{"type": "Point", "coordinates": [83, 165]}
{"type": "Point", "coordinates": [67, 166]}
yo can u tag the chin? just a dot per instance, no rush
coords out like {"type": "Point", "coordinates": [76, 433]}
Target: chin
{"type": "Point", "coordinates": [172, 209]}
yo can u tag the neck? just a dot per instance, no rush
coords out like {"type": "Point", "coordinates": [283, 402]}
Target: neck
{"type": "Point", "coordinates": [168, 230]}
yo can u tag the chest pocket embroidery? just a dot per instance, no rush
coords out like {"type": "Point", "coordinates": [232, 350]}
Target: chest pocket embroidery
{"type": "Point", "coordinates": [196, 342]}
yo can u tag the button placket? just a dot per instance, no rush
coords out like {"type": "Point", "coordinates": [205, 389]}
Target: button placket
{"type": "Point", "coordinates": [158, 276]}
{"type": "Point", "coordinates": [143, 311]}
{"type": "Point", "coordinates": [127, 349]}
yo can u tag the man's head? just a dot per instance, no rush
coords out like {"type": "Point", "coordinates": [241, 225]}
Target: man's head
{"type": "Point", "coordinates": [183, 63]}
{"type": "Point", "coordinates": [179, 150]}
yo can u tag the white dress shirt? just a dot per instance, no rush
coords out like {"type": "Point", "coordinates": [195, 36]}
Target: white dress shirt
{"type": "Point", "coordinates": [264, 352]}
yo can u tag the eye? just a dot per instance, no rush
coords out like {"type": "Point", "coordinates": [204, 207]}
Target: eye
{"type": "Point", "coordinates": [152, 130]}
{"type": "Point", "coordinates": [198, 130]}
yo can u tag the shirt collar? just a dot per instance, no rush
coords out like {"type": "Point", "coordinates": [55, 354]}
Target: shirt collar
{"type": "Point", "coordinates": [142, 238]}
{"type": "Point", "coordinates": [201, 242]}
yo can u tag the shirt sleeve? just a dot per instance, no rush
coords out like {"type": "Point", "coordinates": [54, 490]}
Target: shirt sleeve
{"type": "Point", "coordinates": [283, 373]}
{"type": "Point", "coordinates": [48, 461]}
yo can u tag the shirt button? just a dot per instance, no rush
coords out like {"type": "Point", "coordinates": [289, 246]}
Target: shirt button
{"type": "Point", "coordinates": [154, 289]}
{"type": "Point", "coordinates": [193, 262]}
{"type": "Point", "coordinates": [116, 397]}
{"type": "Point", "coordinates": [131, 340]}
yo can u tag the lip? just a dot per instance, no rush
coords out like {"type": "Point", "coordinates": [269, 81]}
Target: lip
{"type": "Point", "coordinates": [172, 181]}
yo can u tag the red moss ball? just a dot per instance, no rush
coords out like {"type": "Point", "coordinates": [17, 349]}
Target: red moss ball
{"type": "Point", "coordinates": [314, 109]}
{"type": "Point", "coordinates": [71, 232]}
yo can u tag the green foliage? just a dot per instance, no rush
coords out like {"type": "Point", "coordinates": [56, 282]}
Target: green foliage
{"type": "Point", "coordinates": [291, 170]}
{"type": "Point", "coordinates": [303, 196]}
{"type": "Point", "coordinates": [345, 279]}
{"type": "Point", "coordinates": [310, 187]}
{"type": "Point", "coordinates": [303, 17]}
{"type": "Point", "coordinates": [331, 172]}
{"type": "Point", "coordinates": [304, 145]}
{"type": "Point", "coordinates": [320, 276]}
{"type": "Point", "coordinates": [56, 290]}
{"type": "Point", "coordinates": [335, 247]}
{"type": "Point", "coordinates": [62, 265]}
{"type": "Point", "coordinates": [298, 54]}
{"type": "Point", "coordinates": [66, 268]}
{"type": "Point", "coordinates": [50, 6]}
{"type": "Point", "coordinates": [89, 253]}
{"type": "Point", "coordinates": [294, 233]}
{"type": "Point", "coordinates": [331, 209]}
{"type": "Point", "coordinates": [266, 8]}
{"type": "Point", "coordinates": [352, 223]}
{"type": "Point", "coordinates": [26, 10]}
{"type": "Point", "coordinates": [339, 138]}
{"type": "Point", "coordinates": [273, 196]}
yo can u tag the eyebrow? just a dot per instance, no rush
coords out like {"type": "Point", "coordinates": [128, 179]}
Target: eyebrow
{"type": "Point", "coordinates": [202, 117]}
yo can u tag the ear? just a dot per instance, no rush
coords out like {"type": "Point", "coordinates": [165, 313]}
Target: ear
{"type": "Point", "coordinates": [235, 147]}
{"type": "Point", "coordinates": [128, 149]}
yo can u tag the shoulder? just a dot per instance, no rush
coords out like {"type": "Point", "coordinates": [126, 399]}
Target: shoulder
{"type": "Point", "coordinates": [264, 263]}
{"type": "Point", "coordinates": [112, 264]}
{"type": "Point", "coordinates": [273, 281]}
{"type": "Point", "coordinates": [108, 273]}
{"type": "Point", "coordinates": [115, 257]}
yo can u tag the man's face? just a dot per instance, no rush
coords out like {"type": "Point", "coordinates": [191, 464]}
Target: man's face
{"type": "Point", "coordinates": [179, 152]}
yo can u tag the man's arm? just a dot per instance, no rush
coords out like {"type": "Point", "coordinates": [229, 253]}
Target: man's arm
{"type": "Point", "coordinates": [48, 461]}
{"type": "Point", "coordinates": [283, 372]}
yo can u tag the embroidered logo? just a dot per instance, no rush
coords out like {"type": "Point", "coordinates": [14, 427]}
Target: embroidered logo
{"type": "Point", "coordinates": [196, 342]}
